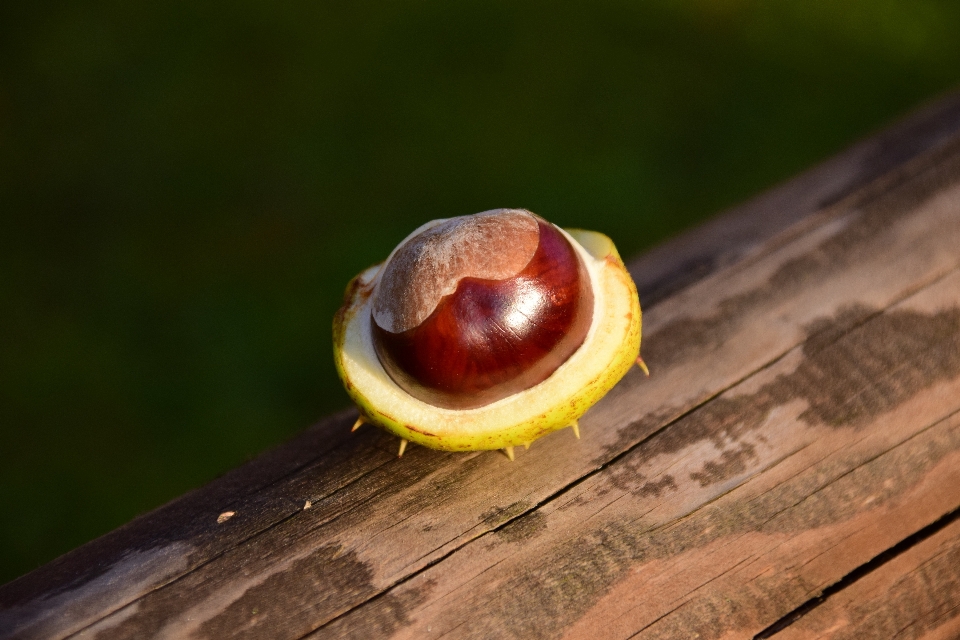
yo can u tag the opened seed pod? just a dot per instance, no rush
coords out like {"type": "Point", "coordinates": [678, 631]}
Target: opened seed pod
{"type": "Point", "coordinates": [487, 331]}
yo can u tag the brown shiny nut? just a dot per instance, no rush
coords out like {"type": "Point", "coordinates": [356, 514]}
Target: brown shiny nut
{"type": "Point", "coordinates": [477, 308]}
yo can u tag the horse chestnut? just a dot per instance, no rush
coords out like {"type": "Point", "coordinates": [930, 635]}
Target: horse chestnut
{"type": "Point", "coordinates": [480, 307]}
{"type": "Point", "coordinates": [487, 331]}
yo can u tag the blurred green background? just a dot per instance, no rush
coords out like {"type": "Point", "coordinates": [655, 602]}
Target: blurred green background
{"type": "Point", "coordinates": [187, 186]}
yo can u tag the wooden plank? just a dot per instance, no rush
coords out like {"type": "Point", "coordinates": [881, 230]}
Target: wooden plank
{"type": "Point", "coordinates": [735, 515]}
{"type": "Point", "coordinates": [375, 525]}
{"type": "Point", "coordinates": [391, 524]}
{"type": "Point", "coordinates": [916, 596]}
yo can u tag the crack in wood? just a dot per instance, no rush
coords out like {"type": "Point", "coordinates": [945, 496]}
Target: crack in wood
{"type": "Point", "coordinates": [860, 572]}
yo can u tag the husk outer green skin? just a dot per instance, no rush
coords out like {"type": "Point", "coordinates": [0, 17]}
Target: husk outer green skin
{"type": "Point", "coordinates": [562, 412]}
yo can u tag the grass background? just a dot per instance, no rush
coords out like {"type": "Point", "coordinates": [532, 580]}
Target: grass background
{"type": "Point", "coordinates": [186, 187]}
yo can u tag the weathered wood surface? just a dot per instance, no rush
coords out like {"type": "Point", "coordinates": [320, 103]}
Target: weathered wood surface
{"type": "Point", "coordinates": [791, 469]}
{"type": "Point", "coordinates": [913, 595]}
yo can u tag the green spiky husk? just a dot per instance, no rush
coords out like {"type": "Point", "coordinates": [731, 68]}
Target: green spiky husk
{"type": "Point", "coordinates": [607, 354]}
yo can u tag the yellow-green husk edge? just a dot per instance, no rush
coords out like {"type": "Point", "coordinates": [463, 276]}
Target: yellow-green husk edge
{"type": "Point", "coordinates": [609, 351]}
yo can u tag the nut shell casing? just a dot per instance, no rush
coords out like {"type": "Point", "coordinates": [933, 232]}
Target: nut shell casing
{"type": "Point", "coordinates": [609, 350]}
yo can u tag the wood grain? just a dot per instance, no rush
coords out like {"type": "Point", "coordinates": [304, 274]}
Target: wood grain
{"type": "Point", "coordinates": [801, 419]}
{"type": "Point", "coordinates": [733, 516]}
{"type": "Point", "coordinates": [914, 595]}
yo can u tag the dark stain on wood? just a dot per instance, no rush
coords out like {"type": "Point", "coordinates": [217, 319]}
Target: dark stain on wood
{"type": "Point", "coordinates": [380, 618]}
{"type": "Point", "coordinates": [846, 382]}
{"type": "Point", "coordinates": [654, 488]}
{"type": "Point", "coordinates": [262, 610]}
{"type": "Point", "coordinates": [526, 528]}
{"type": "Point", "coordinates": [847, 377]}
{"type": "Point", "coordinates": [877, 366]}
{"type": "Point", "coordinates": [498, 515]}
{"type": "Point", "coordinates": [686, 338]}
{"type": "Point", "coordinates": [626, 477]}
{"type": "Point", "coordinates": [731, 462]}
{"type": "Point", "coordinates": [322, 579]}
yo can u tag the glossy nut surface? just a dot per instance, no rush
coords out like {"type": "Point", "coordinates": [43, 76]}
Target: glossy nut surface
{"type": "Point", "coordinates": [478, 308]}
